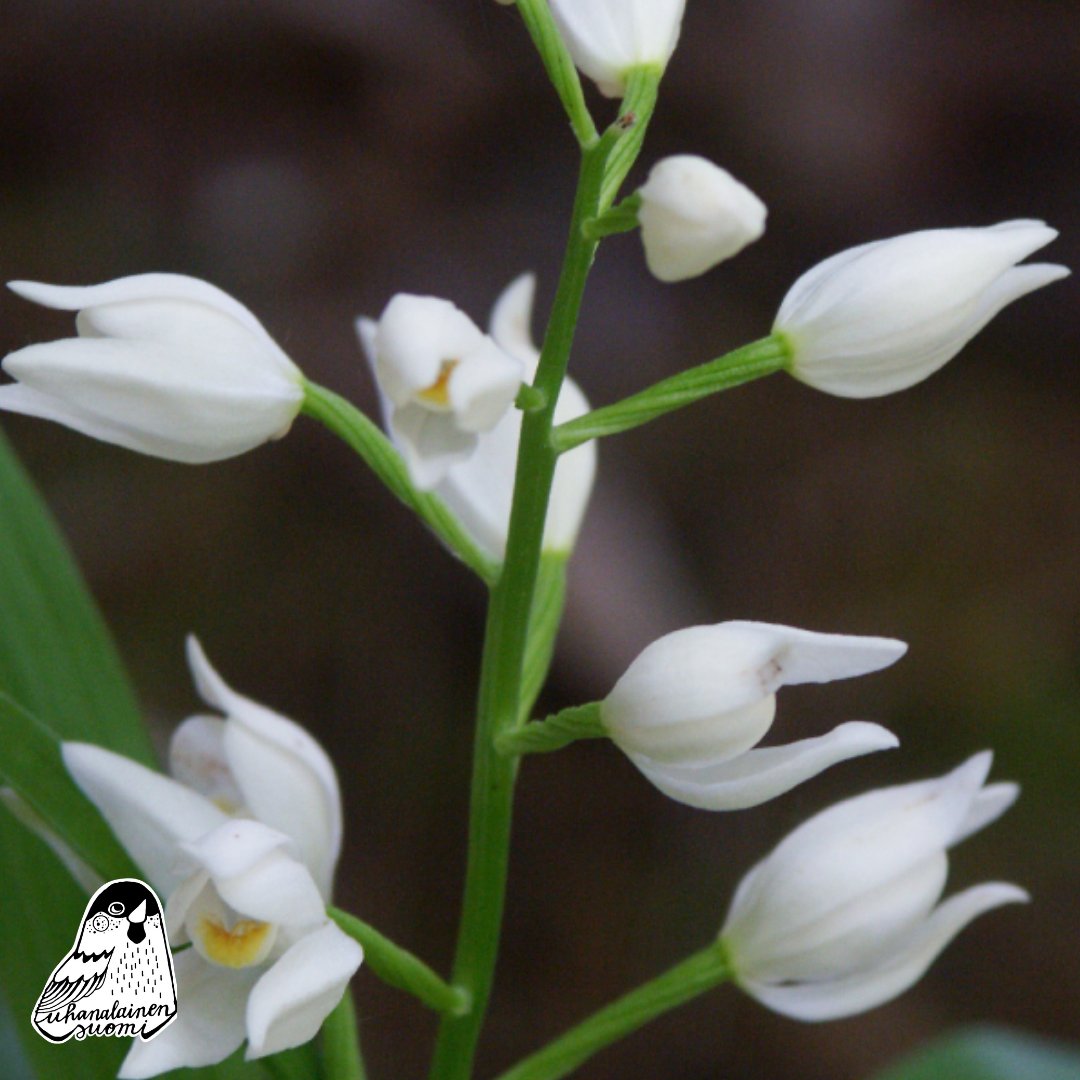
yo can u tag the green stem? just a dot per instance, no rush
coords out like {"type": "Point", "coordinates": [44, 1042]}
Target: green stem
{"type": "Point", "coordinates": [680, 984]}
{"type": "Point", "coordinates": [560, 67]}
{"type": "Point", "coordinates": [619, 219]}
{"type": "Point", "coordinates": [642, 84]}
{"type": "Point", "coordinates": [399, 968]}
{"type": "Point", "coordinates": [505, 645]}
{"type": "Point", "coordinates": [354, 428]}
{"type": "Point", "coordinates": [743, 365]}
{"type": "Point", "coordinates": [341, 1042]}
{"type": "Point", "coordinates": [562, 729]}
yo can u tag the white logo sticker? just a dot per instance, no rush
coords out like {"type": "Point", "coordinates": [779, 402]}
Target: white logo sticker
{"type": "Point", "coordinates": [118, 978]}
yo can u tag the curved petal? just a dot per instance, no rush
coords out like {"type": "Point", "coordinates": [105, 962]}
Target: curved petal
{"type": "Point", "coordinates": [291, 1001]}
{"type": "Point", "coordinates": [851, 849]}
{"type": "Point", "coordinates": [989, 804]}
{"type": "Point", "coordinates": [511, 318]}
{"type": "Point", "coordinates": [150, 814]}
{"type": "Point", "coordinates": [430, 442]}
{"type": "Point", "coordinates": [803, 656]}
{"type": "Point", "coordinates": [209, 1023]}
{"type": "Point", "coordinates": [197, 759]}
{"type": "Point", "coordinates": [251, 869]}
{"type": "Point", "coordinates": [139, 287]}
{"type": "Point", "coordinates": [832, 999]}
{"type": "Point", "coordinates": [284, 777]}
{"type": "Point", "coordinates": [483, 387]}
{"type": "Point", "coordinates": [763, 774]}
{"type": "Point", "coordinates": [574, 475]}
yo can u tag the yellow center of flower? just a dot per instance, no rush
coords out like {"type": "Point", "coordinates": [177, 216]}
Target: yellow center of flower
{"type": "Point", "coordinates": [242, 945]}
{"type": "Point", "coordinates": [438, 393]}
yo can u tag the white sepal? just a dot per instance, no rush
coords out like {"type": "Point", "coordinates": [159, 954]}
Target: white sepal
{"type": "Point", "coordinates": [150, 814]}
{"type": "Point", "coordinates": [607, 38]}
{"type": "Point", "coordinates": [283, 776]}
{"type": "Point", "coordinates": [694, 215]}
{"type": "Point", "coordinates": [758, 775]}
{"type": "Point", "coordinates": [163, 364]}
{"type": "Point", "coordinates": [885, 315]}
{"type": "Point", "coordinates": [209, 1024]}
{"type": "Point", "coordinates": [841, 916]}
{"type": "Point", "coordinates": [290, 1002]}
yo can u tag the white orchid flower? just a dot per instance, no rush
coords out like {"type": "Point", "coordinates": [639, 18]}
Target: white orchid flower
{"type": "Point", "coordinates": [607, 38]}
{"type": "Point", "coordinates": [690, 707]}
{"type": "Point", "coordinates": [242, 840]}
{"type": "Point", "coordinates": [884, 316]}
{"type": "Point", "coordinates": [445, 380]}
{"type": "Point", "coordinates": [844, 914]}
{"type": "Point", "coordinates": [694, 215]}
{"type": "Point", "coordinates": [480, 489]}
{"type": "Point", "coordinates": [164, 364]}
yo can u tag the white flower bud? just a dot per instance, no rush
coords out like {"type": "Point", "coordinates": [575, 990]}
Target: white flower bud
{"type": "Point", "coordinates": [844, 914]}
{"type": "Point", "coordinates": [444, 379]}
{"type": "Point", "coordinates": [694, 215]}
{"type": "Point", "coordinates": [164, 364]}
{"type": "Point", "coordinates": [885, 315]}
{"type": "Point", "coordinates": [690, 707]}
{"type": "Point", "coordinates": [607, 38]}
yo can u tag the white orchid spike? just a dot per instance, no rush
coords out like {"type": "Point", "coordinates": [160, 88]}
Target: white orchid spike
{"type": "Point", "coordinates": [607, 38]}
{"type": "Point", "coordinates": [844, 914]}
{"type": "Point", "coordinates": [243, 842]}
{"type": "Point", "coordinates": [690, 707]}
{"type": "Point", "coordinates": [164, 364]}
{"type": "Point", "coordinates": [480, 489]}
{"type": "Point", "coordinates": [445, 380]}
{"type": "Point", "coordinates": [694, 215]}
{"type": "Point", "coordinates": [884, 316]}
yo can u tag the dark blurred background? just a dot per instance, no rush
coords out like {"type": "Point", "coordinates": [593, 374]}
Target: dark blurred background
{"type": "Point", "coordinates": [313, 157]}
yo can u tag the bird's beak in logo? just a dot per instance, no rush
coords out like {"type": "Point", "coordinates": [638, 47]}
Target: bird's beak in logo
{"type": "Point", "coordinates": [136, 929]}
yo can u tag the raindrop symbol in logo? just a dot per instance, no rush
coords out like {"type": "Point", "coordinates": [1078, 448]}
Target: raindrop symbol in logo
{"type": "Point", "coordinates": [118, 978]}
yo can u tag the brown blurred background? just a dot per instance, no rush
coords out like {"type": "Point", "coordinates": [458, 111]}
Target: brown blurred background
{"type": "Point", "coordinates": [315, 156]}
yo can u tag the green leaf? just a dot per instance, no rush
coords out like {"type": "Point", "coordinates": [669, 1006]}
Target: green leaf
{"type": "Point", "coordinates": [30, 762]}
{"type": "Point", "coordinates": [989, 1053]}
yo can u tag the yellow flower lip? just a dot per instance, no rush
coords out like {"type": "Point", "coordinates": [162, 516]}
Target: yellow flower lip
{"type": "Point", "coordinates": [243, 945]}
{"type": "Point", "coordinates": [438, 393]}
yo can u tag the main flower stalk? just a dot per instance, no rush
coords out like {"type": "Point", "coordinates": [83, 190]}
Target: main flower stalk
{"type": "Point", "coordinates": [506, 639]}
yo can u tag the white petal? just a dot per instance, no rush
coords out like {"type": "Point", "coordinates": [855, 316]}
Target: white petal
{"type": "Point", "coordinates": [856, 993]}
{"type": "Point", "coordinates": [430, 442]}
{"type": "Point", "coordinates": [291, 1001]}
{"type": "Point", "coordinates": [802, 656]}
{"type": "Point", "coordinates": [763, 774]}
{"type": "Point", "coordinates": [851, 849]}
{"type": "Point", "coordinates": [139, 287]}
{"type": "Point", "coordinates": [197, 759]}
{"type": "Point", "coordinates": [574, 475]}
{"type": "Point", "coordinates": [285, 778]}
{"type": "Point", "coordinates": [209, 1023]}
{"type": "Point", "coordinates": [989, 804]}
{"type": "Point", "coordinates": [607, 37]}
{"type": "Point", "coordinates": [84, 874]}
{"type": "Point", "coordinates": [483, 387]}
{"type": "Point", "coordinates": [416, 336]}
{"type": "Point", "coordinates": [511, 319]}
{"type": "Point", "coordinates": [148, 397]}
{"type": "Point", "coordinates": [251, 869]}
{"type": "Point", "coordinates": [150, 814]}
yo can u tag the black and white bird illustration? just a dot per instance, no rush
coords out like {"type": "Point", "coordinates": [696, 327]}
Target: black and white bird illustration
{"type": "Point", "coordinates": [118, 978]}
